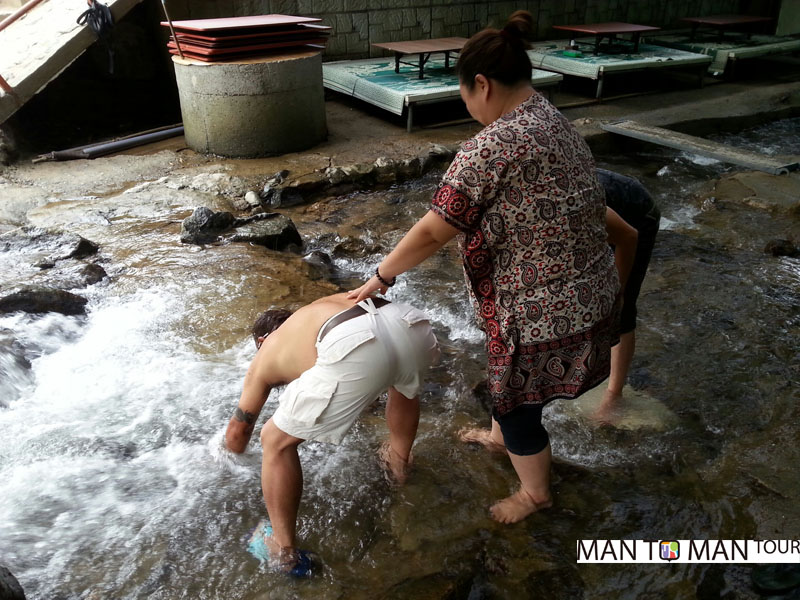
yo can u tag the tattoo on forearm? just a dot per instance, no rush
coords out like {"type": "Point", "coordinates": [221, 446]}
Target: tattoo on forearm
{"type": "Point", "coordinates": [245, 416]}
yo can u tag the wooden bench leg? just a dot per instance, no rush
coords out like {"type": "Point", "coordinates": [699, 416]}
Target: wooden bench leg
{"type": "Point", "coordinates": [410, 118]}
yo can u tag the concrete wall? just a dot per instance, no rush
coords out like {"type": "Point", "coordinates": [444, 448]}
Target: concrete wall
{"type": "Point", "coordinates": [358, 23]}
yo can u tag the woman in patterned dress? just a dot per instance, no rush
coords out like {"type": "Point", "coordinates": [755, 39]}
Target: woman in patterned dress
{"type": "Point", "coordinates": [524, 198]}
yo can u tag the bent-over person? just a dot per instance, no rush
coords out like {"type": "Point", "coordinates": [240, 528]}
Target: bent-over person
{"type": "Point", "coordinates": [337, 357]}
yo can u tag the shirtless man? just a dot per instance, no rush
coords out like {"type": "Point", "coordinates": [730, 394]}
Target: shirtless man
{"type": "Point", "coordinates": [337, 358]}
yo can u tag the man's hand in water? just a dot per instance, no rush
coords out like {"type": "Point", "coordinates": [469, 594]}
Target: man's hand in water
{"type": "Point", "coordinates": [366, 290]}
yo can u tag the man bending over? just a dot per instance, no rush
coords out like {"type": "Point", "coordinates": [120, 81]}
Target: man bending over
{"type": "Point", "coordinates": [336, 358]}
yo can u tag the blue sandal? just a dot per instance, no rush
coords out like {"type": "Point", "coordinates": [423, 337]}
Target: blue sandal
{"type": "Point", "coordinates": [257, 546]}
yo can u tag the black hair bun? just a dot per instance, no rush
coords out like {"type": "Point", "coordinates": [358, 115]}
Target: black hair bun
{"type": "Point", "coordinates": [520, 24]}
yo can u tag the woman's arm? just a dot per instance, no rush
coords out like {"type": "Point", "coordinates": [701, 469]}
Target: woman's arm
{"type": "Point", "coordinates": [624, 238]}
{"type": "Point", "coordinates": [427, 236]}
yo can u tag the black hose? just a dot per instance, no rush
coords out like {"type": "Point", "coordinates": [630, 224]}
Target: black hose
{"type": "Point", "coordinates": [101, 21]}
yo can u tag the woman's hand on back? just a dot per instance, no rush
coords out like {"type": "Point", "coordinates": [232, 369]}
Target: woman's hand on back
{"type": "Point", "coordinates": [367, 290]}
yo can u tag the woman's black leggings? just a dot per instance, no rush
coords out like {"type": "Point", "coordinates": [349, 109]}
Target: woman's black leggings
{"type": "Point", "coordinates": [523, 432]}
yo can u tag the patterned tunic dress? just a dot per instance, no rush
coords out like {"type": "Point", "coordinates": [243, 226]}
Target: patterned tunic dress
{"type": "Point", "coordinates": [536, 259]}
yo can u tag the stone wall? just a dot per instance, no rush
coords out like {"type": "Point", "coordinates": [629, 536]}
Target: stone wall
{"type": "Point", "coordinates": [358, 23]}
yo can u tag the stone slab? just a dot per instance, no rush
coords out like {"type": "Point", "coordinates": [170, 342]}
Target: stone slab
{"type": "Point", "coordinates": [40, 45]}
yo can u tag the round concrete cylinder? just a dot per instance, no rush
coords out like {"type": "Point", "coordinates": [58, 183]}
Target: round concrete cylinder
{"type": "Point", "coordinates": [254, 107]}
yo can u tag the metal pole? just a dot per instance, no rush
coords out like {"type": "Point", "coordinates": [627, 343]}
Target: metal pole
{"type": "Point", "coordinates": [172, 29]}
{"type": "Point", "coordinates": [6, 87]}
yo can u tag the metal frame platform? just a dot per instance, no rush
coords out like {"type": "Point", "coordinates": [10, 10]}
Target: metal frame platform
{"type": "Point", "coordinates": [551, 56]}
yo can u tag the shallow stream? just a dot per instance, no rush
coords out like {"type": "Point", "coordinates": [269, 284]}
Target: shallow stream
{"type": "Point", "coordinates": [113, 484]}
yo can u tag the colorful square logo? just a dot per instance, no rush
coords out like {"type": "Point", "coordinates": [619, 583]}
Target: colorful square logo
{"type": "Point", "coordinates": [669, 550]}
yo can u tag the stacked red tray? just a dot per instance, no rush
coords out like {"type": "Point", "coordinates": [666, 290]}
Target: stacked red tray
{"type": "Point", "coordinates": [217, 40]}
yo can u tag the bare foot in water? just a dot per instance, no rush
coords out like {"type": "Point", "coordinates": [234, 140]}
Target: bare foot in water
{"type": "Point", "coordinates": [608, 411]}
{"type": "Point", "coordinates": [395, 466]}
{"type": "Point", "coordinates": [517, 506]}
{"type": "Point", "coordinates": [482, 436]}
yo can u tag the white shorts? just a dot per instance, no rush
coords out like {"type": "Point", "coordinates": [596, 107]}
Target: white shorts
{"type": "Point", "coordinates": [357, 361]}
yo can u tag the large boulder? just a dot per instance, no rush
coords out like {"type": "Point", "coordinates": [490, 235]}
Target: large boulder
{"type": "Point", "coordinates": [37, 299]}
{"type": "Point", "coordinates": [272, 230]}
{"type": "Point", "coordinates": [761, 190]}
{"type": "Point", "coordinates": [204, 226]}
{"type": "Point", "coordinates": [10, 589]}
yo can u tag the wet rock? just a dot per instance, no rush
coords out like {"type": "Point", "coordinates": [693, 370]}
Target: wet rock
{"type": "Point", "coordinates": [480, 394]}
{"type": "Point", "coordinates": [91, 274]}
{"type": "Point", "coordinates": [563, 582]}
{"type": "Point", "coordinates": [760, 190]}
{"type": "Point", "coordinates": [204, 226]}
{"type": "Point", "coordinates": [336, 175]}
{"type": "Point", "coordinates": [712, 584]}
{"type": "Point", "coordinates": [310, 183]}
{"type": "Point", "coordinates": [215, 183]}
{"type": "Point", "coordinates": [782, 248]}
{"type": "Point", "coordinates": [276, 197]}
{"type": "Point", "coordinates": [10, 589]}
{"type": "Point", "coordinates": [361, 173]}
{"type": "Point", "coordinates": [252, 199]}
{"type": "Point", "coordinates": [385, 170]}
{"type": "Point", "coordinates": [410, 168]}
{"type": "Point", "coordinates": [14, 369]}
{"type": "Point", "coordinates": [277, 179]}
{"type": "Point", "coordinates": [321, 262]}
{"type": "Point", "coordinates": [58, 245]}
{"type": "Point", "coordinates": [39, 299]}
{"type": "Point", "coordinates": [435, 156]}
{"type": "Point", "coordinates": [438, 586]}
{"type": "Point", "coordinates": [776, 578]}
{"type": "Point", "coordinates": [79, 247]}
{"type": "Point", "coordinates": [272, 230]}
{"type": "Point", "coordinates": [482, 590]}
{"type": "Point", "coordinates": [355, 247]}
{"type": "Point", "coordinates": [18, 200]}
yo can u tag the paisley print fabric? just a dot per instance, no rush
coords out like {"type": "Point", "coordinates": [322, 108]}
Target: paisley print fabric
{"type": "Point", "coordinates": [539, 270]}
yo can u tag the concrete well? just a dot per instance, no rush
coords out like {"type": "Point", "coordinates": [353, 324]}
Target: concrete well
{"type": "Point", "coordinates": [253, 107]}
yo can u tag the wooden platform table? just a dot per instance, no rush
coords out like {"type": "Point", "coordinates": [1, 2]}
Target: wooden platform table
{"type": "Point", "coordinates": [724, 22]}
{"type": "Point", "coordinates": [609, 30]}
{"type": "Point", "coordinates": [424, 48]}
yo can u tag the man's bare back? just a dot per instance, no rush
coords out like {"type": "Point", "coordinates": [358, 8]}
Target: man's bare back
{"type": "Point", "coordinates": [291, 349]}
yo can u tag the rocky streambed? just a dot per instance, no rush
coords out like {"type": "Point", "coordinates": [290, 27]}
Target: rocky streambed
{"type": "Point", "coordinates": [113, 481]}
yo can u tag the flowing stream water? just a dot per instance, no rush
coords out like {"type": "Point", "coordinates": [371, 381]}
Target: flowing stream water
{"type": "Point", "coordinates": [113, 484]}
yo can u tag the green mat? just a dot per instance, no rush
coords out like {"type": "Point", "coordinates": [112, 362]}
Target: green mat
{"type": "Point", "coordinates": [731, 47]}
{"type": "Point", "coordinates": [551, 55]}
{"type": "Point", "coordinates": [374, 80]}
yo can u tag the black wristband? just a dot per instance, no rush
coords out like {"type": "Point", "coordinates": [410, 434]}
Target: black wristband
{"type": "Point", "coordinates": [382, 280]}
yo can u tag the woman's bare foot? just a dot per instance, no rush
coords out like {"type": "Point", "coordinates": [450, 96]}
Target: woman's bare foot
{"type": "Point", "coordinates": [482, 436]}
{"type": "Point", "coordinates": [517, 506]}
{"type": "Point", "coordinates": [608, 411]}
{"type": "Point", "coordinates": [395, 466]}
